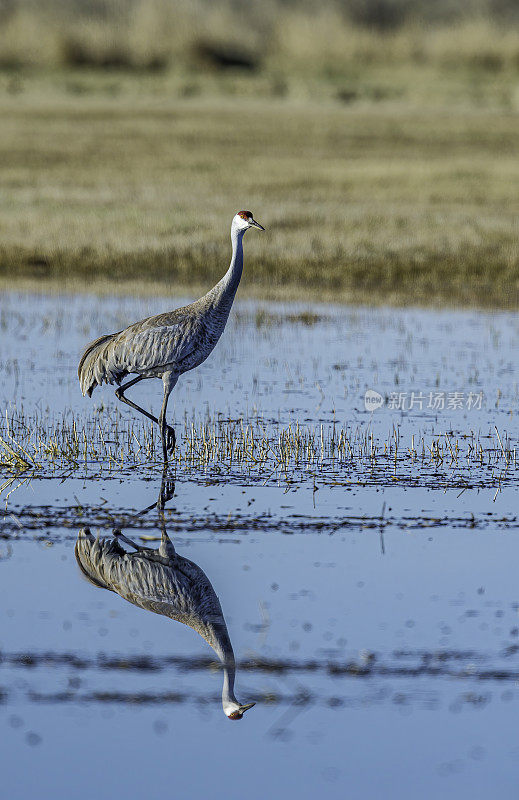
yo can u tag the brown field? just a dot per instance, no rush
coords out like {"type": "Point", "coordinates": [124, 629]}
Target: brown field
{"type": "Point", "coordinates": [382, 162]}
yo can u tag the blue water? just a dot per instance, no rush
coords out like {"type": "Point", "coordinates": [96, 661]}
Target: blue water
{"type": "Point", "coordinates": [376, 627]}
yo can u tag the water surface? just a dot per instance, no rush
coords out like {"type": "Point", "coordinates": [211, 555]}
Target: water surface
{"type": "Point", "coordinates": [374, 616]}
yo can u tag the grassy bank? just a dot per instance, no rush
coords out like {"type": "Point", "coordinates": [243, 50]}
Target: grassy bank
{"type": "Point", "coordinates": [124, 181]}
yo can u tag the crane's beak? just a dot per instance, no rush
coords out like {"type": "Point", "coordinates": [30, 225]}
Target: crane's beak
{"type": "Point", "coordinates": [238, 714]}
{"type": "Point", "coordinates": [255, 224]}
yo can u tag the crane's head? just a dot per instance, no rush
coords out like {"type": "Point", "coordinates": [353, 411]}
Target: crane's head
{"type": "Point", "coordinates": [234, 710]}
{"type": "Point", "coordinates": [244, 220]}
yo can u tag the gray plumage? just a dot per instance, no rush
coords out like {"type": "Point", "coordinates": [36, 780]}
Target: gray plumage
{"type": "Point", "coordinates": [175, 342]}
{"type": "Point", "coordinates": [165, 583]}
{"type": "Point", "coordinates": [167, 345]}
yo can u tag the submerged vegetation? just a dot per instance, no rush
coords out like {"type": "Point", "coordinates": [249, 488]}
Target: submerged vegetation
{"type": "Point", "coordinates": [263, 450]}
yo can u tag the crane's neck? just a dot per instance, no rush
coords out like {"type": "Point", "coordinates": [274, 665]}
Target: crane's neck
{"type": "Point", "coordinates": [229, 701]}
{"type": "Point", "coordinates": [230, 281]}
{"type": "Point", "coordinates": [223, 649]}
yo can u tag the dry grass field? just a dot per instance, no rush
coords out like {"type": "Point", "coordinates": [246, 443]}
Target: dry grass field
{"type": "Point", "coordinates": [383, 164]}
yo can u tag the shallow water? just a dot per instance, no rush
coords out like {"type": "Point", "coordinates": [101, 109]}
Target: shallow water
{"type": "Point", "coordinates": [374, 621]}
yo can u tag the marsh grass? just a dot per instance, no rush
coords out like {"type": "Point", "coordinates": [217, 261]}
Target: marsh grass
{"type": "Point", "coordinates": [383, 202]}
{"type": "Point", "coordinates": [263, 449]}
{"type": "Point", "coordinates": [377, 142]}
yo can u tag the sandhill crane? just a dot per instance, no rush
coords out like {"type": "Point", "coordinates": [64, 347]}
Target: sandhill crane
{"type": "Point", "coordinates": [166, 583]}
{"type": "Point", "coordinates": [167, 345]}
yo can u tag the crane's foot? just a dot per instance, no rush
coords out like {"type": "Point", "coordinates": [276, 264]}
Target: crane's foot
{"type": "Point", "coordinates": [170, 439]}
{"type": "Point", "coordinates": [167, 490]}
{"type": "Point", "coordinates": [168, 443]}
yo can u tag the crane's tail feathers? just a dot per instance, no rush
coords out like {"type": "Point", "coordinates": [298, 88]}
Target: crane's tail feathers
{"type": "Point", "coordinates": [93, 557]}
{"type": "Point", "coordinates": [97, 365]}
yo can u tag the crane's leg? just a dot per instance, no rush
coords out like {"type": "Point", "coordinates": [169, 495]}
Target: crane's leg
{"type": "Point", "coordinates": [119, 393]}
{"type": "Point", "coordinates": [167, 433]}
{"type": "Point", "coordinates": [151, 553]}
{"type": "Point", "coordinates": [167, 490]}
{"type": "Point", "coordinates": [166, 548]}
{"type": "Point", "coordinates": [120, 535]}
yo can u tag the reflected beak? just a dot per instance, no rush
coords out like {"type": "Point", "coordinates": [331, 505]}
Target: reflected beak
{"type": "Point", "coordinates": [255, 224]}
{"type": "Point", "coordinates": [246, 707]}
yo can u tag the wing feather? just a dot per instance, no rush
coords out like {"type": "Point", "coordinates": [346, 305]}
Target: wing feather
{"type": "Point", "coordinates": [173, 341]}
{"type": "Point", "coordinates": [147, 348]}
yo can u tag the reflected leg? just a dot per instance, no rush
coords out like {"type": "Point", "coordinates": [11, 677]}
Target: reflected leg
{"type": "Point", "coordinates": [167, 489]}
{"type": "Point", "coordinates": [166, 548]}
{"type": "Point", "coordinates": [120, 535]}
